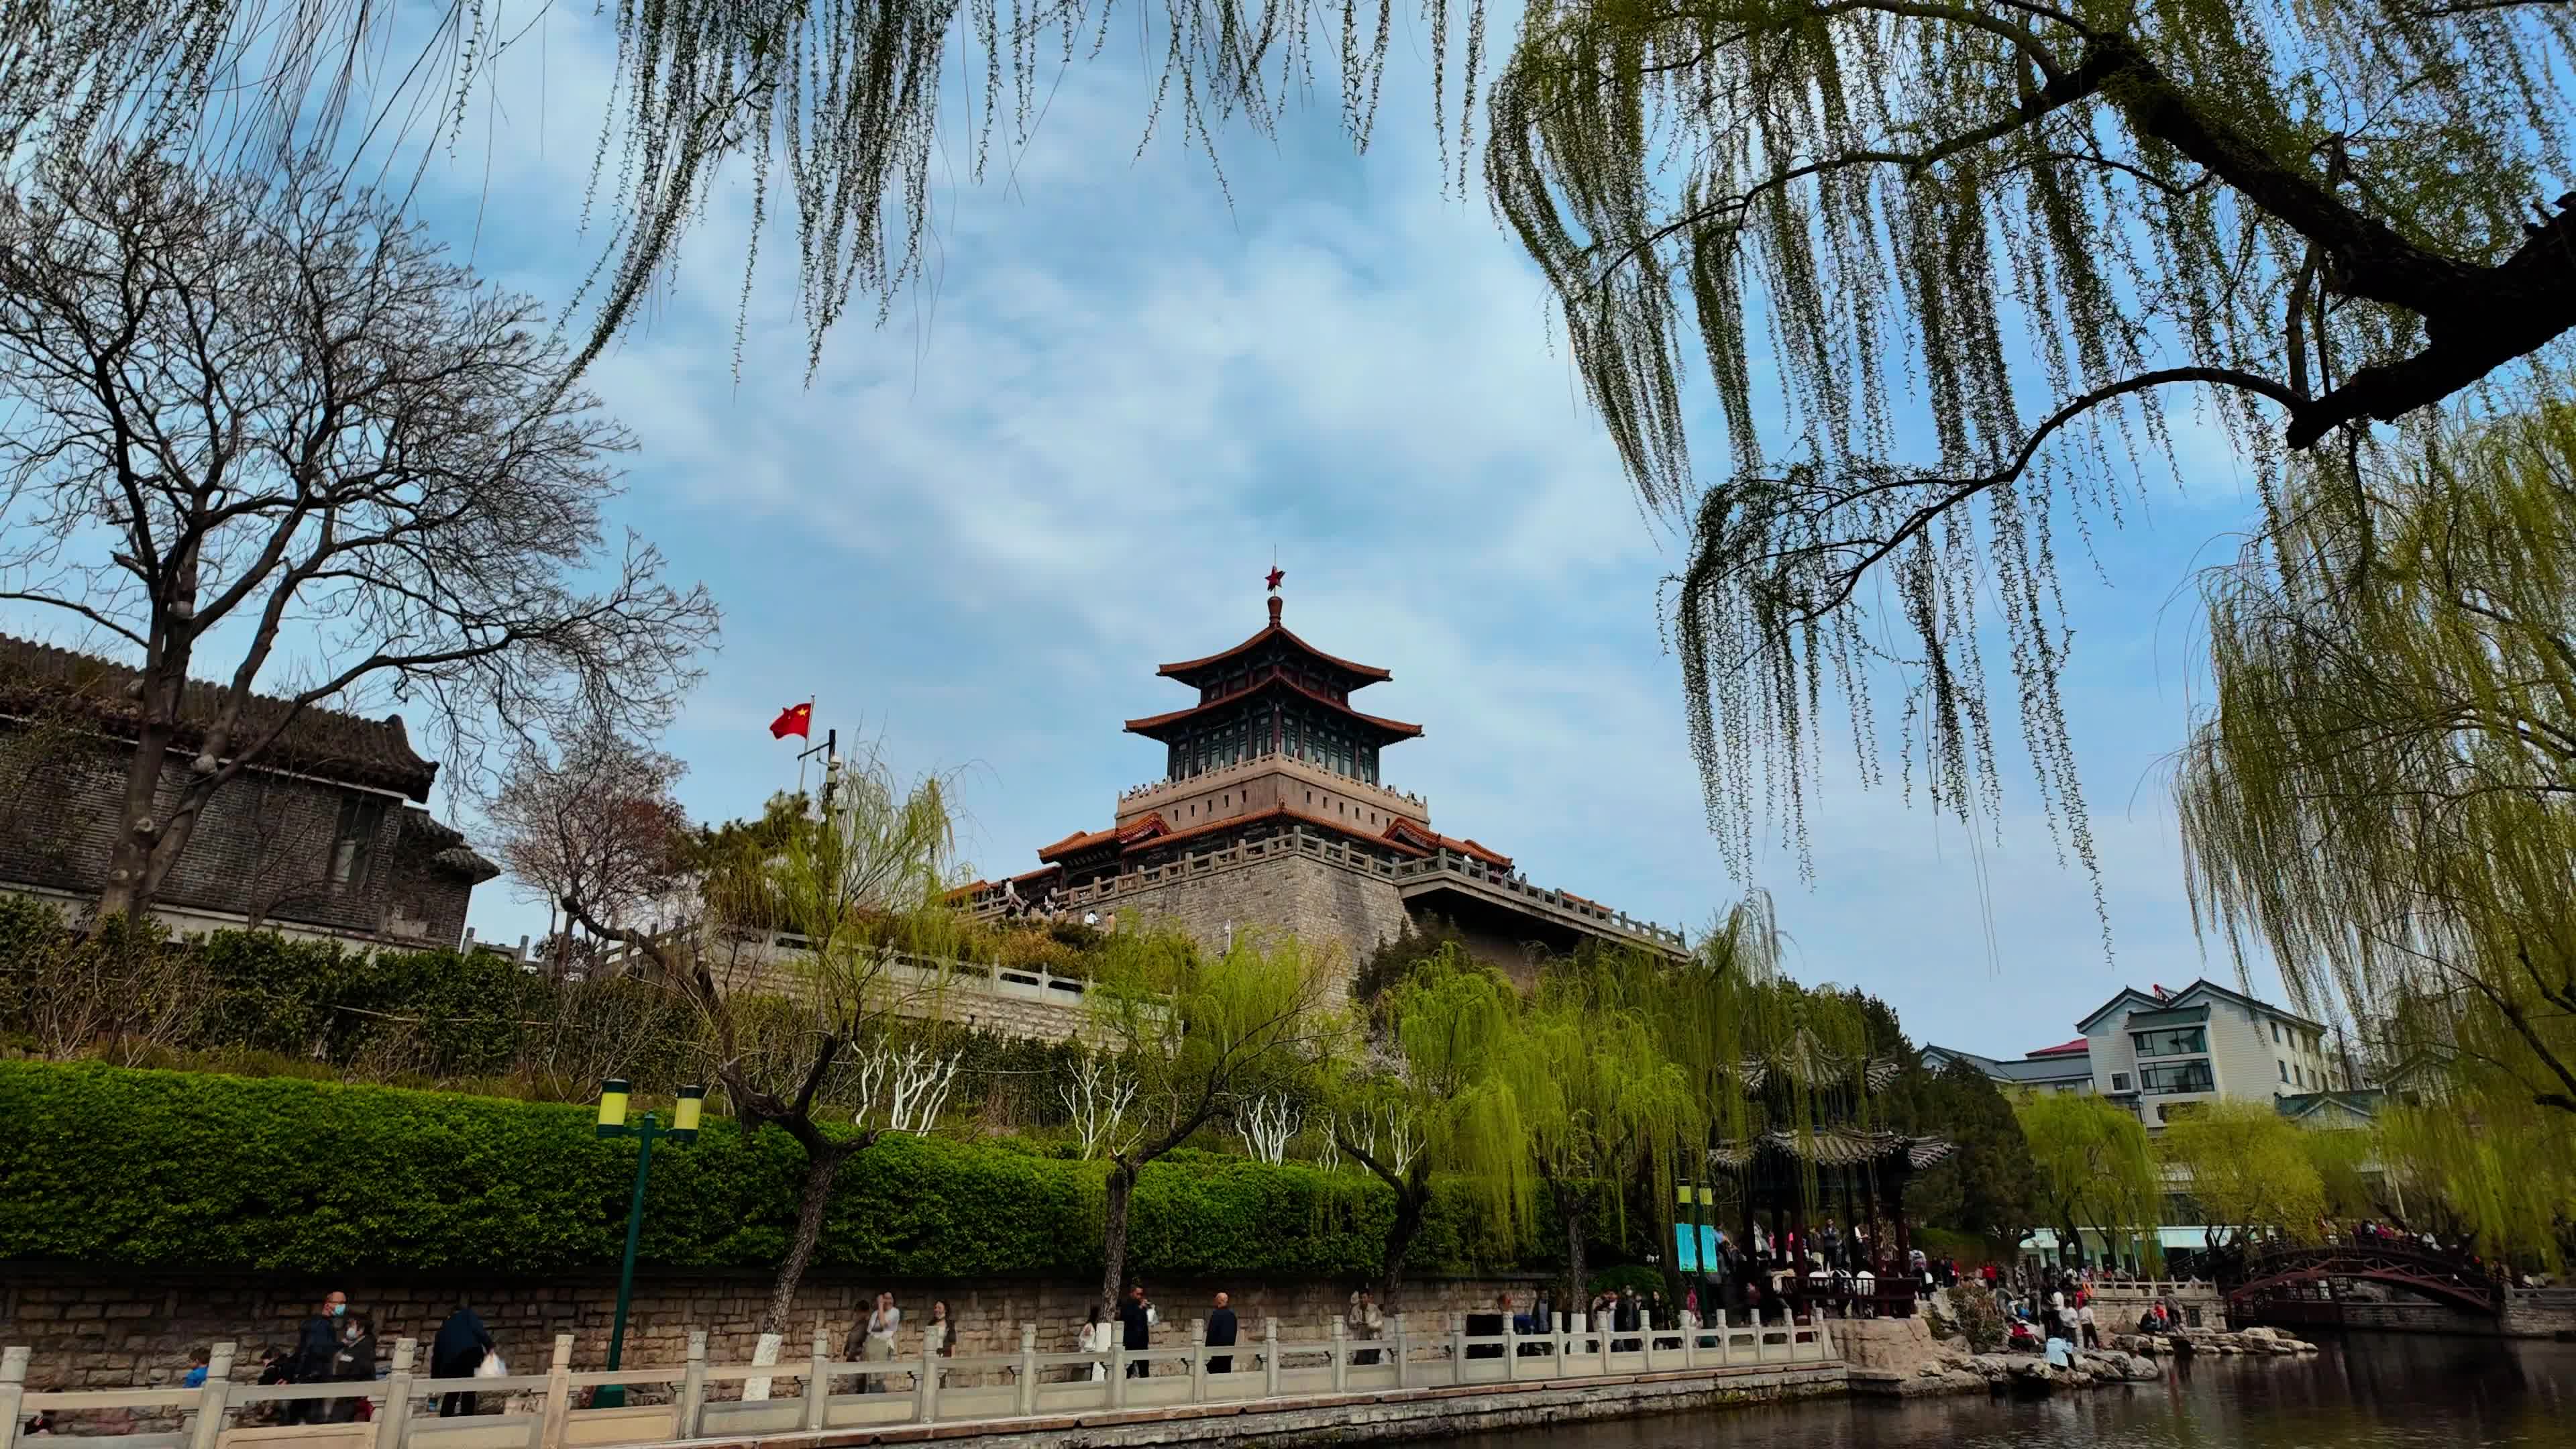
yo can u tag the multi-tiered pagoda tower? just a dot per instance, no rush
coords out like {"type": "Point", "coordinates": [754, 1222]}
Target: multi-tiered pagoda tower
{"type": "Point", "coordinates": [1272, 814]}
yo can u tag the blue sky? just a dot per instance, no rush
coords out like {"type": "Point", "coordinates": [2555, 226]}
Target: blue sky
{"type": "Point", "coordinates": [1071, 456]}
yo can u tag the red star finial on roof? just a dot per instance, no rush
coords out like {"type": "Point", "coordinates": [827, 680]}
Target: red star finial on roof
{"type": "Point", "coordinates": [1273, 577]}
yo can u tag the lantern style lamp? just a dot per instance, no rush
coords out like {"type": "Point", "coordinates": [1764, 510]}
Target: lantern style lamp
{"type": "Point", "coordinates": [613, 1096]}
{"type": "Point", "coordinates": [612, 1107]}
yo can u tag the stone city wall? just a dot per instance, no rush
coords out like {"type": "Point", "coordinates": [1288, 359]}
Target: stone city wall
{"type": "Point", "coordinates": [1315, 900]}
{"type": "Point", "coordinates": [96, 1328]}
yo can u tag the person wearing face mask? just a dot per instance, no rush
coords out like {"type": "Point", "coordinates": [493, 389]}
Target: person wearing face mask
{"type": "Point", "coordinates": [317, 1350]}
{"type": "Point", "coordinates": [354, 1363]}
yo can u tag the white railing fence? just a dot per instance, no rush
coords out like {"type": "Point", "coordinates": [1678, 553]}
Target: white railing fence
{"type": "Point", "coordinates": [691, 1400]}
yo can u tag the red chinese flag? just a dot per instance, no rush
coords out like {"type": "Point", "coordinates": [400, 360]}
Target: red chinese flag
{"type": "Point", "coordinates": [795, 719]}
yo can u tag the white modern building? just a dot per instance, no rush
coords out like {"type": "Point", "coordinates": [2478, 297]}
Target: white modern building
{"type": "Point", "coordinates": [2155, 1050]}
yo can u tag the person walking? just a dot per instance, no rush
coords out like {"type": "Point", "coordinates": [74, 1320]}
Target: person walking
{"type": "Point", "coordinates": [455, 1353]}
{"type": "Point", "coordinates": [354, 1363]}
{"type": "Point", "coordinates": [1220, 1334]}
{"type": "Point", "coordinates": [1095, 1338]}
{"type": "Point", "coordinates": [1136, 1330]}
{"type": "Point", "coordinates": [317, 1346]}
{"type": "Point", "coordinates": [2084, 1319]}
{"type": "Point", "coordinates": [940, 1334]}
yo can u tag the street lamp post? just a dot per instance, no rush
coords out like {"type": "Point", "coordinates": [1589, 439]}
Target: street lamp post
{"type": "Point", "coordinates": [612, 1123]}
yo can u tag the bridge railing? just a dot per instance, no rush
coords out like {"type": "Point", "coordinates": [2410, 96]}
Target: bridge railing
{"type": "Point", "coordinates": [562, 1409]}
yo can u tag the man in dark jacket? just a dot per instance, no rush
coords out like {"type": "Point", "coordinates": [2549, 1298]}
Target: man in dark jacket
{"type": "Point", "coordinates": [1136, 1321]}
{"type": "Point", "coordinates": [315, 1349]}
{"type": "Point", "coordinates": [455, 1354]}
{"type": "Point", "coordinates": [1221, 1335]}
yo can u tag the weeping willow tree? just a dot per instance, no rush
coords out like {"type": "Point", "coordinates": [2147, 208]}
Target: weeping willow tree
{"type": "Point", "coordinates": [2096, 1168]}
{"type": "Point", "coordinates": [2505, 1180]}
{"type": "Point", "coordinates": [2045, 221]}
{"type": "Point", "coordinates": [2379, 798]}
{"type": "Point", "coordinates": [1602, 1104]}
{"type": "Point", "coordinates": [839, 109]}
{"type": "Point", "coordinates": [1203, 1035]}
{"type": "Point", "coordinates": [2053, 215]}
{"type": "Point", "coordinates": [2248, 1167]}
{"type": "Point", "coordinates": [1431, 1094]}
{"type": "Point", "coordinates": [789, 948]}
{"type": "Point", "coordinates": [1764, 1054]}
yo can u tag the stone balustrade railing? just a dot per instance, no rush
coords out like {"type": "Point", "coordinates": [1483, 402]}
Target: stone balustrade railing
{"type": "Point", "coordinates": [992, 1393]}
{"type": "Point", "coordinates": [925, 975]}
{"type": "Point", "coordinates": [1266, 760]}
{"type": "Point", "coordinates": [1332, 848]}
{"type": "Point", "coordinates": [1450, 862]}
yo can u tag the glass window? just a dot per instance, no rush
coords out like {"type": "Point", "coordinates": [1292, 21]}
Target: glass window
{"type": "Point", "coordinates": [2276, 1033]}
{"type": "Point", "coordinates": [2176, 1077]}
{"type": "Point", "coordinates": [2173, 1042]}
{"type": "Point", "coordinates": [2285, 1070]}
{"type": "Point", "coordinates": [2119, 1081]}
{"type": "Point", "coordinates": [354, 842]}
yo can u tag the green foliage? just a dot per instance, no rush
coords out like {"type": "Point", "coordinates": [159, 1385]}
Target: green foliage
{"type": "Point", "coordinates": [260, 1004]}
{"type": "Point", "coordinates": [2246, 1167]}
{"type": "Point", "coordinates": [1980, 1319]}
{"type": "Point", "coordinates": [1414, 946]}
{"type": "Point", "coordinates": [1627, 1276]}
{"type": "Point", "coordinates": [2377, 802]}
{"type": "Point", "coordinates": [2095, 1167]}
{"type": "Point", "coordinates": [1988, 1188]}
{"type": "Point", "coordinates": [1846, 209]}
{"type": "Point", "coordinates": [194, 1170]}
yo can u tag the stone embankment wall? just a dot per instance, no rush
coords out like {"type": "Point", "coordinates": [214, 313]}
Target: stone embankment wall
{"type": "Point", "coordinates": [2528, 1313]}
{"type": "Point", "coordinates": [1443, 1413]}
{"type": "Point", "coordinates": [93, 1328]}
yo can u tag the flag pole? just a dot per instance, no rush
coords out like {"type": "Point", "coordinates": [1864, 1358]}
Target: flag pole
{"type": "Point", "coordinates": [809, 738]}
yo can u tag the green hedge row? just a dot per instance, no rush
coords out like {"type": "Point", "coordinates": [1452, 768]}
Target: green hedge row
{"type": "Point", "coordinates": [194, 1170]}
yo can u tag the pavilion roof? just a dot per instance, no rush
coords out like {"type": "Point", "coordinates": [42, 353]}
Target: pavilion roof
{"type": "Point", "coordinates": [1832, 1147]}
{"type": "Point", "coordinates": [1805, 1059]}
{"type": "Point", "coordinates": [1404, 828]}
{"type": "Point", "coordinates": [1151, 832]}
{"type": "Point", "coordinates": [1153, 726]}
{"type": "Point", "coordinates": [1147, 827]}
{"type": "Point", "coordinates": [1188, 670]}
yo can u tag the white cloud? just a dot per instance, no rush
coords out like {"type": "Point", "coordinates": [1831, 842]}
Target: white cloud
{"type": "Point", "coordinates": [981, 526]}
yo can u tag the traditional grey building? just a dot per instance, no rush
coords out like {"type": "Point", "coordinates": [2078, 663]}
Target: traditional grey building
{"type": "Point", "coordinates": [328, 836]}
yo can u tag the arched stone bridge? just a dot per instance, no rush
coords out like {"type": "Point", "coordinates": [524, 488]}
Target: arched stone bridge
{"type": "Point", "coordinates": [2278, 1273]}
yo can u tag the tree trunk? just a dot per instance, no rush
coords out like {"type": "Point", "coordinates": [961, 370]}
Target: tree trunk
{"type": "Point", "coordinates": [1412, 1200]}
{"type": "Point", "coordinates": [821, 1170]}
{"type": "Point", "coordinates": [1569, 1206]}
{"type": "Point", "coordinates": [133, 877]}
{"type": "Point", "coordinates": [1113, 1234]}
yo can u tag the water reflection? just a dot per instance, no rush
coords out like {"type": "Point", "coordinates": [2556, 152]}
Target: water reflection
{"type": "Point", "coordinates": [2371, 1392]}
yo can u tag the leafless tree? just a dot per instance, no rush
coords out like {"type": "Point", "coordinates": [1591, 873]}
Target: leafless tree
{"type": "Point", "coordinates": [263, 417]}
{"type": "Point", "coordinates": [1267, 1124]}
{"type": "Point", "coordinates": [290, 862]}
{"type": "Point", "coordinates": [1099, 1097]}
{"type": "Point", "coordinates": [598, 825]}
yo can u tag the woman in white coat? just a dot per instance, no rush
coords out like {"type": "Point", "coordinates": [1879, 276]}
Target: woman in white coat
{"type": "Point", "coordinates": [1097, 1335]}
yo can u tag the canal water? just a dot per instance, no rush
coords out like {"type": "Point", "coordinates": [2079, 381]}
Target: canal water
{"type": "Point", "coordinates": [2369, 1391]}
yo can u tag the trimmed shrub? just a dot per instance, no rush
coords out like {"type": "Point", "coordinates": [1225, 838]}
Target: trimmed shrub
{"type": "Point", "coordinates": [199, 1170]}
